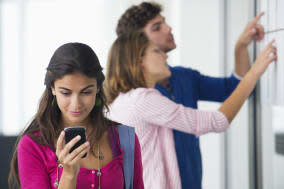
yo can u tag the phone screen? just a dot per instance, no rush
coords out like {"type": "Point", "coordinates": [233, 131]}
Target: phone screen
{"type": "Point", "coordinates": [71, 132]}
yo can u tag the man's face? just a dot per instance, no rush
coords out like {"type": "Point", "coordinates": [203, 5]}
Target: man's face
{"type": "Point", "coordinates": [160, 33]}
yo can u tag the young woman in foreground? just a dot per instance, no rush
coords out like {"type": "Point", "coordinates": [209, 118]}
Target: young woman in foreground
{"type": "Point", "coordinates": [73, 97]}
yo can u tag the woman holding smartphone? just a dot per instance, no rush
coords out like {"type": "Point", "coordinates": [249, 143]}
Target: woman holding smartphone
{"type": "Point", "coordinates": [73, 97]}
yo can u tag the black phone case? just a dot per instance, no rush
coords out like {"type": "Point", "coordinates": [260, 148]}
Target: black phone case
{"type": "Point", "coordinates": [71, 132]}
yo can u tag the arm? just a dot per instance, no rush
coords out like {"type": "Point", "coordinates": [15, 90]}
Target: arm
{"type": "Point", "coordinates": [233, 104]}
{"type": "Point", "coordinates": [138, 170]}
{"type": "Point", "coordinates": [70, 161]}
{"type": "Point", "coordinates": [152, 109]}
{"type": "Point", "coordinates": [216, 89]}
{"type": "Point", "coordinates": [251, 31]}
{"type": "Point", "coordinates": [219, 89]}
{"type": "Point", "coordinates": [203, 87]}
{"type": "Point", "coordinates": [30, 162]}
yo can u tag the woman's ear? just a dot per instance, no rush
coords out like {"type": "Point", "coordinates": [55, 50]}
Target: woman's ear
{"type": "Point", "coordinates": [141, 62]}
{"type": "Point", "coordinates": [53, 91]}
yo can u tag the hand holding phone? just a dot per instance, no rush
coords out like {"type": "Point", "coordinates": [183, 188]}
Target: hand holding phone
{"type": "Point", "coordinates": [72, 132]}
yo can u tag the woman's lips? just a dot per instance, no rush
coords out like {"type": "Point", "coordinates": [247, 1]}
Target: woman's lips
{"type": "Point", "coordinates": [75, 113]}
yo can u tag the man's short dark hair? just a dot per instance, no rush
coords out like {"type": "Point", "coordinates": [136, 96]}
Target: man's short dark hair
{"type": "Point", "coordinates": [137, 16]}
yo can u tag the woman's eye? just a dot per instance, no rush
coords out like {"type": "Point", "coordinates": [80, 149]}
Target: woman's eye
{"type": "Point", "coordinates": [156, 29]}
{"type": "Point", "coordinates": [65, 93]}
{"type": "Point", "coordinates": [86, 92]}
{"type": "Point", "coordinates": [157, 51]}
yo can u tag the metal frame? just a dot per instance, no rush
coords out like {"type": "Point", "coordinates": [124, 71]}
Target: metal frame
{"type": "Point", "coordinates": [250, 153]}
{"type": "Point", "coordinates": [1, 63]}
{"type": "Point", "coordinates": [256, 96]}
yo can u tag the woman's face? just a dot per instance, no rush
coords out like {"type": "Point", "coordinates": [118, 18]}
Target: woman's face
{"type": "Point", "coordinates": [154, 65]}
{"type": "Point", "coordinates": [75, 95]}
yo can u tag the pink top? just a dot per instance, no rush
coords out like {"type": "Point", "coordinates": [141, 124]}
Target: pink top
{"type": "Point", "coordinates": [154, 116]}
{"type": "Point", "coordinates": [37, 167]}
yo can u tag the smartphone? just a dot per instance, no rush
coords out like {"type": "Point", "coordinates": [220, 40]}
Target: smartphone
{"type": "Point", "coordinates": [71, 132]}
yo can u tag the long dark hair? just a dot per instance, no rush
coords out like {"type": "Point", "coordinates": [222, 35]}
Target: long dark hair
{"type": "Point", "coordinates": [67, 59]}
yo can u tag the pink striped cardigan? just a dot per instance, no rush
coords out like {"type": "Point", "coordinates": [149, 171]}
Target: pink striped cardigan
{"type": "Point", "coordinates": [154, 116]}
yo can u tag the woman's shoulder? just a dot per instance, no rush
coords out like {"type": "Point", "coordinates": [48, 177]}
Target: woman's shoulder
{"type": "Point", "coordinates": [29, 141]}
{"type": "Point", "coordinates": [134, 96]}
{"type": "Point", "coordinates": [31, 148]}
{"type": "Point", "coordinates": [145, 91]}
{"type": "Point", "coordinates": [141, 94]}
{"type": "Point", "coordinates": [134, 93]}
{"type": "Point", "coordinates": [135, 100]}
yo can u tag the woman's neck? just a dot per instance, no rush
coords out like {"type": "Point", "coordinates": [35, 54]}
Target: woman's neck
{"type": "Point", "coordinates": [65, 124]}
{"type": "Point", "coordinates": [150, 82]}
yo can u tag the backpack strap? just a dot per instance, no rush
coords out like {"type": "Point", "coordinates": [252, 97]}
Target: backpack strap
{"type": "Point", "coordinates": [127, 143]}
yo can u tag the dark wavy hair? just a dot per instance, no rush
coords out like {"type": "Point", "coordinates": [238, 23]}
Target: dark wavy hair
{"type": "Point", "coordinates": [137, 16]}
{"type": "Point", "coordinates": [68, 59]}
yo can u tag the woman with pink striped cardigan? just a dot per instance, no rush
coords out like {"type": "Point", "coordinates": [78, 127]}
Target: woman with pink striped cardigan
{"type": "Point", "coordinates": [135, 66]}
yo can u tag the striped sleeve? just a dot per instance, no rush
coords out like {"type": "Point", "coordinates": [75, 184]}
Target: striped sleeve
{"type": "Point", "coordinates": [154, 109]}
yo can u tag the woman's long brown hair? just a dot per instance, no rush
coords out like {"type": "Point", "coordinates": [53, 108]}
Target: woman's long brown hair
{"type": "Point", "coordinates": [124, 70]}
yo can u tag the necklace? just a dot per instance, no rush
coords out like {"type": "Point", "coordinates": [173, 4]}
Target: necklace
{"type": "Point", "coordinates": [56, 183]}
{"type": "Point", "coordinates": [99, 173]}
{"type": "Point", "coordinates": [100, 155]}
